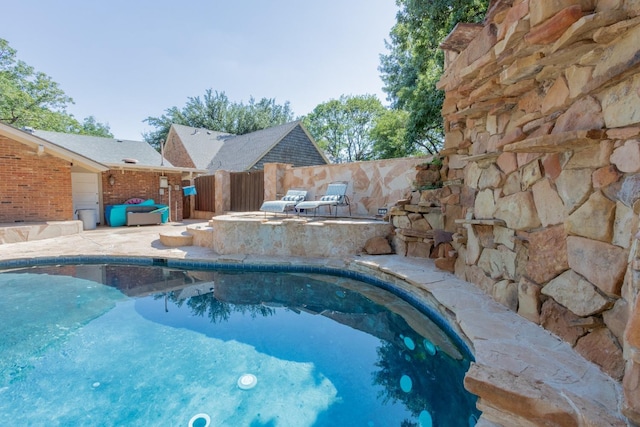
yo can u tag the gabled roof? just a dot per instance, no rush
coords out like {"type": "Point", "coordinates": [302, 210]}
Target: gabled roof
{"type": "Point", "coordinates": [234, 153]}
{"type": "Point", "coordinates": [201, 144]}
{"type": "Point", "coordinates": [107, 151]}
{"type": "Point", "coordinates": [241, 152]}
{"type": "Point", "coordinates": [48, 147]}
{"type": "Point", "coordinates": [113, 153]}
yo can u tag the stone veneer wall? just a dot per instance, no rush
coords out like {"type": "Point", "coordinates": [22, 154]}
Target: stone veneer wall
{"type": "Point", "coordinates": [371, 185]}
{"type": "Point", "coordinates": [542, 145]}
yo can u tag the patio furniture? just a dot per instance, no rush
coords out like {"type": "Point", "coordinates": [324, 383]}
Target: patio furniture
{"type": "Point", "coordinates": [142, 215]}
{"type": "Point", "coordinates": [134, 213]}
{"type": "Point", "coordinates": [287, 203]}
{"type": "Point", "coordinates": [336, 195]}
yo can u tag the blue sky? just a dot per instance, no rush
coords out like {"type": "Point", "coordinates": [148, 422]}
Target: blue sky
{"type": "Point", "coordinates": [124, 60]}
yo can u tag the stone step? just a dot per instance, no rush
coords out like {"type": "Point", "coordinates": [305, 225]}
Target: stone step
{"type": "Point", "coordinates": [202, 234]}
{"type": "Point", "coordinates": [175, 239]}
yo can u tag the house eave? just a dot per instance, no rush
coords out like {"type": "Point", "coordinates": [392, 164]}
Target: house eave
{"type": "Point", "coordinates": [43, 146]}
{"type": "Point", "coordinates": [161, 169]}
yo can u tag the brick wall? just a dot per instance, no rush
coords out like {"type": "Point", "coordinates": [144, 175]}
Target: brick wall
{"type": "Point", "coordinates": [33, 187]}
{"type": "Point", "coordinates": [175, 152]}
{"type": "Point", "coordinates": [144, 185]}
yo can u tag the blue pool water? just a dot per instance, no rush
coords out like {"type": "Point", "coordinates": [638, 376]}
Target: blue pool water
{"type": "Point", "coordinates": [115, 345]}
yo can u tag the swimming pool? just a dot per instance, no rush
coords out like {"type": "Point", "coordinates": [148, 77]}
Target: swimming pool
{"type": "Point", "coordinates": [108, 344]}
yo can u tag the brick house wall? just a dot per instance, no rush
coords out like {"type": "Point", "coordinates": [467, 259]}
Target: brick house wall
{"type": "Point", "coordinates": [175, 152]}
{"type": "Point", "coordinates": [33, 187]}
{"type": "Point", "coordinates": [145, 185]}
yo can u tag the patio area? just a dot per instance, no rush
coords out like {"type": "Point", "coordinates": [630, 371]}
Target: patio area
{"type": "Point", "coordinates": [523, 374]}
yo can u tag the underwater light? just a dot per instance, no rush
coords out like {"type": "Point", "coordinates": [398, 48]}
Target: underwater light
{"type": "Point", "coordinates": [200, 420]}
{"type": "Point", "coordinates": [247, 381]}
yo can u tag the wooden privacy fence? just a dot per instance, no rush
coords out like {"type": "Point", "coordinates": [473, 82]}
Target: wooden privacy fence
{"type": "Point", "coordinates": [247, 191]}
{"type": "Point", "coordinates": [205, 193]}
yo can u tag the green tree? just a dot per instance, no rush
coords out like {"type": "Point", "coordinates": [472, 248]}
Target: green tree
{"type": "Point", "coordinates": [389, 135]}
{"type": "Point", "coordinates": [90, 126]}
{"type": "Point", "coordinates": [216, 112]}
{"type": "Point", "coordinates": [343, 127]}
{"type": "Point", "coordinates": [413, 65]}
{"type": "Point", "coordinates": [31, 98]}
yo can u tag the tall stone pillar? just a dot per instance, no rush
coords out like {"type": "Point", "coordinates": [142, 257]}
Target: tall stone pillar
{"type": "Point", "coordinates": [274, 177]}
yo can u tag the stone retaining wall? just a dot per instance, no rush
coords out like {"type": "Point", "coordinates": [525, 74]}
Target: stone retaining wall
{"type": "Point", "coordinates": [542, 145]}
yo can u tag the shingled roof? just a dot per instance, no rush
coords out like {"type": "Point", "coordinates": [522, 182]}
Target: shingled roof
{"type": "Point", "coordinates": [253, 147]}
{"type": "Point", "coordinates": [45, 146]}
{"type": "Point", "coordinates": [213, 150]}
{"type": "Point", "coordinates": [201, 144]}
{"type": "Point", "coordinates": [107, 151]}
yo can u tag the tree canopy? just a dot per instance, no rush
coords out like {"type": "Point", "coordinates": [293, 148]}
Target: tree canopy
{"type": "Point", "coordinates": [342, 127]}
{"type": "Point", "coordinates": [413, 65]}
{"type": "Point", "coordinates": [214, 111]}
{"type": "Point", "coordinates": [30, 98]}
{"type": "Point", "coordinates": [389, 134]}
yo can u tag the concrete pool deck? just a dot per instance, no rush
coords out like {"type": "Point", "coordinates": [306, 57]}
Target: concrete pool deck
{"type": "Point", "coordinates": [523, 374]}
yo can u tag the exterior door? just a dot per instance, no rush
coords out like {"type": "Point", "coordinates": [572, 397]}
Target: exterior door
{"type": "Point", "coordinates": [84, 190]}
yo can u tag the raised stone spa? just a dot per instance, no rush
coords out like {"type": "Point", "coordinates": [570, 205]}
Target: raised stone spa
{"type": "Point", "coordinates": [257, 234]}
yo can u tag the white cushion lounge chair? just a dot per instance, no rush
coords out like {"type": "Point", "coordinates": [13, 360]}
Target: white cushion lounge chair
{"type": "Point", "coordinates": [287, 203]}
{"type": "Point", "coordinates": [336, 195]}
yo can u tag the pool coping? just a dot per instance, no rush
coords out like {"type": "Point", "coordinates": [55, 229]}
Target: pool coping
{"type": "Point", "coordinates": [514, 358]}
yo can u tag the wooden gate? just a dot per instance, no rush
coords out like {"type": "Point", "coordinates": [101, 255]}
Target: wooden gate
{"type": "Point", "coordinates": [247, 191]}
{"type": "Point", "coordinates": [205, 193]}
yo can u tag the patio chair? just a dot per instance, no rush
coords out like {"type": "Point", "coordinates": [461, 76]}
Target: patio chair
{"type": "Point", "coordinates": [284, 205]}
{"type": "Point", "coordinates": [336, 195]}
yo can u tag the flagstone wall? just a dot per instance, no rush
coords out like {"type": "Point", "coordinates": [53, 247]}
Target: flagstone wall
{"type": "Point", "coordinates": [371, 185]}
{"type": "Point", "coordinates": [542, 122]}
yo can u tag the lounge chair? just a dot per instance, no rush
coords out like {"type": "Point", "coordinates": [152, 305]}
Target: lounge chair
{"type": "Point", "coordinates": [284, 205]}
{"type": "Point", "coordinates": [336, 195]}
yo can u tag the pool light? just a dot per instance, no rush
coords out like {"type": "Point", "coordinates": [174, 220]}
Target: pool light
{"type": "Point", "coordinates": [247, 381]}
{"type": "Point", "coordinates": [200, 420]}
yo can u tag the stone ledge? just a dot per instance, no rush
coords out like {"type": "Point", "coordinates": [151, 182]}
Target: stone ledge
{"type": "Point", "coordinates": [528, 402]}
{"type": "Point", "coordinates": [498, 222]}
{"type": "Point", "coordinates": [558, 142]}
{"type": "Point", "coordinates": [483, 158]}
{"type": "Point", "coordinates": [26, 232]}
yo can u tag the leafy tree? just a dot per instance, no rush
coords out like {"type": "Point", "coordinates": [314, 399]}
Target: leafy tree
{"type": "Point", "coordinates": [28, 97]}
{"type": "Point", "coordinates": [343, 127]}
{"type": "Point", "coordinates": [413, 65]}
{"type": "Point", "coordinates": [389, 134]}
{"type": "Point", "coordinates": [90, 126]}
{"type": "Point", "coordinates": [31, 98]}
{"type": "Point", "coordinates": [215, 111]}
